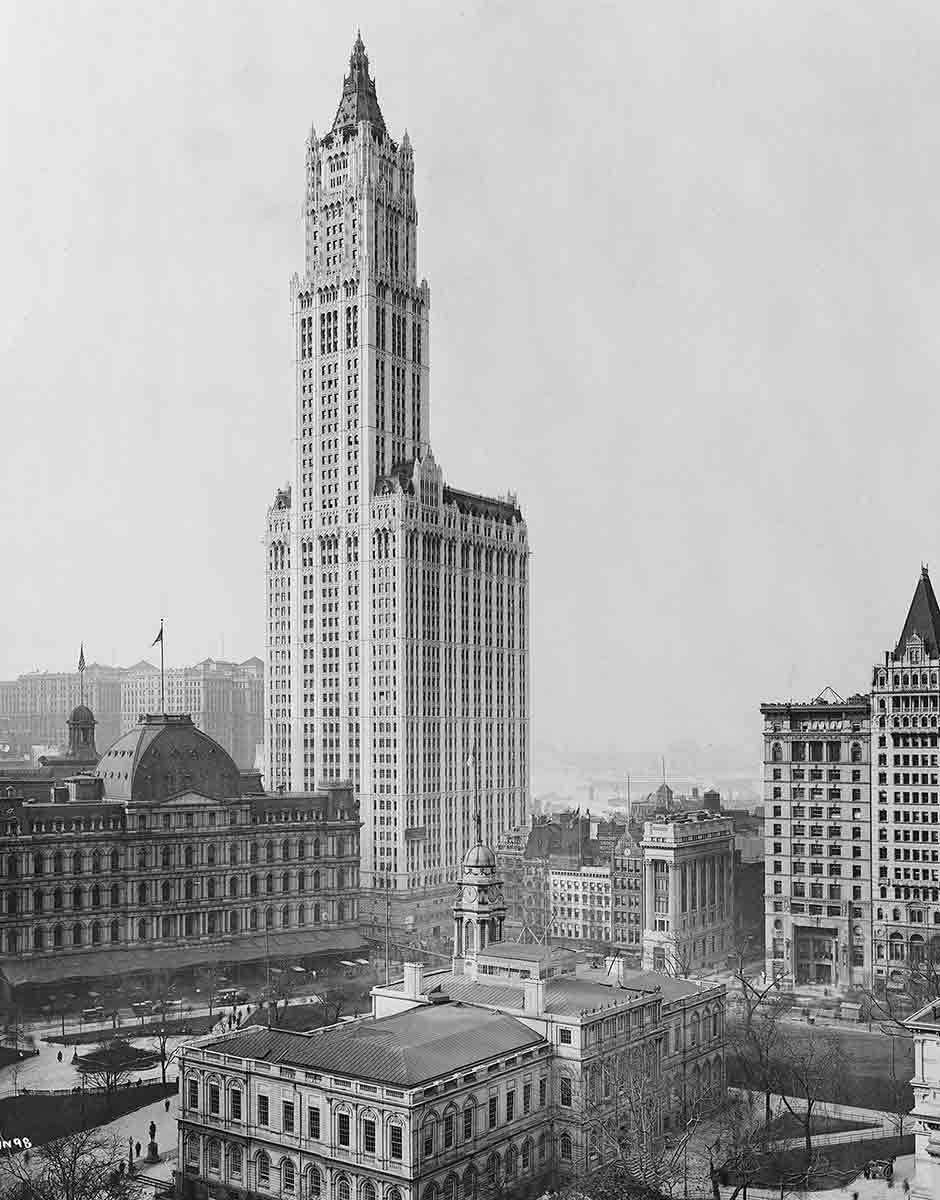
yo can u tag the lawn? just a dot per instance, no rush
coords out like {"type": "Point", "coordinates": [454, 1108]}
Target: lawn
{"type": "Point", "coordinates": [869, 1080]}
{"type": "Point", "coordinates": [836, 1167]}
{"type": "Point", "coordinates": [188, 1025]}
{"type": "Point", "coordinates": [41, 1118]}
{"type": "Point", "coordinates": [789, 1126]}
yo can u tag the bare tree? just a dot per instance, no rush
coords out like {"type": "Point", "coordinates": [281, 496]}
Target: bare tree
{"type": "Point", "coordinates": [754, 1032]}
{"type": "Point", "coordinates": [809, 1067]}
{"type": "Point", "coordinates": [209, 979]}
{"type": "Point", "coordinates": [113, 1063]}
{"type": "Point", "coordinates": [162, 1001]}
{"type": "Point", "coordinates": [333, 1000]}
{"type": "Point", "coordinates": [85, 1165]}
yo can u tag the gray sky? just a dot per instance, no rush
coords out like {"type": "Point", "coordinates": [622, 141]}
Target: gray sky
{"type": "Point", "coordinates": [684, 270]}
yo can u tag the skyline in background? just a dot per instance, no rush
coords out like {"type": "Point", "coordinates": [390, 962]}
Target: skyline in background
{"type": "Point", "coordinates": [682, 263]}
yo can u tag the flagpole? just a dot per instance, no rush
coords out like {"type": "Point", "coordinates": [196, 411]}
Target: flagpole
{"type": "Point", "coordinates": [162, 692]}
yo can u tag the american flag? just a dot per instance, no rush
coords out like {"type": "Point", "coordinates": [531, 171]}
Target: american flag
{"type": "Point", "coordinates": [81, 658]}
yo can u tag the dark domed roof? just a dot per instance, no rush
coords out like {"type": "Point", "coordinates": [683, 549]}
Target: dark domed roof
{"type": "Point", "coordinates": [82, 715]}
{"type": "Point", "coordinates": [480, 856]}
{"type": "Point", "coordinates": [164, 756]}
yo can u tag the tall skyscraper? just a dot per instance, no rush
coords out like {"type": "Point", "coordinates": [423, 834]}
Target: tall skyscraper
{"type": "Point", "coordinates": [397, 605]}
{"type": "Point", "coordinates": [905, 711]}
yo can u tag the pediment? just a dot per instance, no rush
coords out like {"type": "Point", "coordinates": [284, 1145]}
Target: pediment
{"type": "Point", "coordinates": [189, 799]}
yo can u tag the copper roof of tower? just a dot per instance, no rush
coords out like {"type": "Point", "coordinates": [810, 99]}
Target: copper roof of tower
{"type": "Point", "coordinates": [358, 101]}
{"type": "Point", "coordinates": [923, 618]}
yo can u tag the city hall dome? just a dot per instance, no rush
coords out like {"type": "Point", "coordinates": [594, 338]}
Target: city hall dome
{"type": "Point", "coordinates": [163, 756]}
{"type": "Point", "coordinates": [82, 715]}
{"type": "Point", "coordinates": [479, 856]}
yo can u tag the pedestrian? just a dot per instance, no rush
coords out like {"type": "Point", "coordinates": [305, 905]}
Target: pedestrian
{"type": "Point", "coordinates": [59, 1056]}
{"type": "Point", "coordinates": [166, 1105]}
{"type": "Point", "coordinates": [137, 1149]}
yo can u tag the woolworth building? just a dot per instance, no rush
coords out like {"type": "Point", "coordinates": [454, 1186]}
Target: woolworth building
{"type": "Point", "coordinates": [397, 623]}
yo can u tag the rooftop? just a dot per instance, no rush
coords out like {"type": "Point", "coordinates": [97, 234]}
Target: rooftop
{"type": "Point", "coordinates": [405, 1050]}
{"type": "Point", "coordinates": [527, 951]}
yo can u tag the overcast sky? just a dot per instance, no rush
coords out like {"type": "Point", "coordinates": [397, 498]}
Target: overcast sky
{"type": "Point", "coordinates": [683, 261]}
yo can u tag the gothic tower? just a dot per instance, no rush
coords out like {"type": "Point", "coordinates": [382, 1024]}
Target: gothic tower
{"type": "Point", "coordinates": [479, 907]}
{"type": "Point", "coordinates": [397, 605]}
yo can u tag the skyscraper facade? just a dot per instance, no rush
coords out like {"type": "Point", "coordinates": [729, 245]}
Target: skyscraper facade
{"type": "Point", "coordinates": [397, 604]}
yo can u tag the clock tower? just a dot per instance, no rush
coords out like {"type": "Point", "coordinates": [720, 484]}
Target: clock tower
{"type": "Point", "coordinates": [479, 907]}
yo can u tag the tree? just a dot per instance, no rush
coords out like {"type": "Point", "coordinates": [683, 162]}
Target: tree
{"type": "Point", "coordinates": [808, 1066]}
{"type": "Point", "coordinates": [209, 978]}
{"type": "Point", "coordinates": [113, 1063]}
{"type": "Point", "coordinates": [755, 1033]}
{"type": "Point", "coordinates": [162, 1001]}
{"type": "Point", "coordinates": [333, 1000]}
{"type": "Point", "coordinates": [86, 1165]}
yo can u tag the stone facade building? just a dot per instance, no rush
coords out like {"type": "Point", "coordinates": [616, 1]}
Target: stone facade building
{"type": "Point", "coordinates": [165, 856]}
{"type": "Point", "coordinates": [407, 633]}
{"type": "Point", "coordinates": [689, 900]}
{"type": "Point", "coordinates": [818, 841]}
{"type": "Point", "coordinates": [924, 1029]}
{"type": "Point", "coordinates": [516, 1067]}
{"type": "Point", "coordinates": [224, 699]}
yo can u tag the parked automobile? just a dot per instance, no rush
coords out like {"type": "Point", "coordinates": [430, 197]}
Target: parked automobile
{"type": "Point", "coordinates": [879, 1168]}
{"type": "Point", "coordinates": [93, 1014]}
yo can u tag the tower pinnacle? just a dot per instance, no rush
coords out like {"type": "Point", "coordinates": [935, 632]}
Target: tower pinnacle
{"type": "Point", "coordinates": [358, 101]}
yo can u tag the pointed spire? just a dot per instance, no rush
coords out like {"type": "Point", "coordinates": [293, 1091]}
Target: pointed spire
{"type": "Point", "coordinates": [358, 101]}
{"type": "Point", "coordinates": [923, 618]}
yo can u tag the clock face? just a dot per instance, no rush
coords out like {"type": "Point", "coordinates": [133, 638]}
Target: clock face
{"type": "Point", "coordinates": [469, 894]}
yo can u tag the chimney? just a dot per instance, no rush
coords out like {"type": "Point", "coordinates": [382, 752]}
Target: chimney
{"type": "Point", "coordinates": [533, 996]}
{"type": "Point", "coordinates": [414, 980]}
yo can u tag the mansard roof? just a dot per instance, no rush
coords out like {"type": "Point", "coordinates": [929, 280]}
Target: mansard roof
{"type": "Point", "coordinates": [923, 619]}
{"type": "Point", "coordinates": [358, 101]}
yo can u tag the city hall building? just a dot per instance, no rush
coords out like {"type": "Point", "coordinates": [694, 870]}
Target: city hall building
{"type": "Point", "coordinates": [516, 1065]}
{"type": "Point", "coordinates": [164, 856]}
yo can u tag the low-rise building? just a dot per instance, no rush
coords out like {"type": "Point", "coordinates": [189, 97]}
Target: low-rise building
{"type": "Point", "coordinates": [518, 1065]}
{"type": "Point", "coordinates": [166, 856]}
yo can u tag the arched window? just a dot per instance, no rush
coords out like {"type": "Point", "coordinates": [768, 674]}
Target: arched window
{"type": "Point", "coordinates": [76, 935]}
{"type": "Point", "coordinates": [287, 1176]}
{"type": "Point", "coordinates": [233, 921]}
{"type": "Point", "coordinates": [96, 863]}
{"type": "Point", "coordinates": [301, 914]}
{"type": "Point", "coordinates": [285, 917]}
{"type": "Point", "coordinates": [302, 849]}
{"type": "Point", "coordinates": [340, 911]}
{"type": "Point", "coordinates": [165, 857]}
{"type": "Point", "coordinates": [301, 880]}
{"type": "Point", "coordinates": [210, 889]}
{"type": "Point", "coordinates": [269, 853]}
{"type": "Point", "coordinates": [285, 850]}
{"type": "Point", "coordinates": [285, 882]}
{"type": "Point", "coordinates": [141, 859]}
{"type": "Point", "coordinates": [565, 1147]}
{"type": "Point", "coordinates": [192, 1149]}
{"type": "Point", "coordinates": [189, 889]}
{"type": "Point", "coordinates": [856, 753]}
{"type": "Point", "coordinates": [367, 1191]}
{"type": "Point", "coordinates": [115, 932]}
{"type": "Point", "coordinates": [235, 1160]}
{"type": "Point", "coordinates": [188, 856]}
{"type": "Point", "coordinates": [141, 893]}
{"type": "Point", "coordinates": [340, 878]}
{"type": "Point", "coordinates": [214, 1155]}
{"type": "Point", "coordinates": [430, 1192]}
{"type": "Point", "coordinates": [233, 855]}
{"type": "Point", "coordinates": [269, 918]}
{"type": "Point", "coordinates": [77, 863]}
{"type": "Point", "coordinates": [253, 885]}
{"type": "Point", "coordinates": [450, 1187]}
{"type": "Point", "coordinates": [511, 1156]}
{"type": "Point", "coordinates": [233, 886]}
{"type": "Point", "coordinates": [76, 897]}
{"type": "Point", "coordinates": [263, 1169]}
{"type": "Point", "coordinates": [37, 901]}
{"type": "Point", "coordinates": [57, 898]}
{"type": "Point", "coordinates": [165, 891]}
{"type": "Point", "coordinates": [316, 881]}
{"type": "Point", "coordinates": [142, 931]}
{"type": "Point", "coordinates": [316, 847]}
{"type": "Point", "coordinates": [56, 936]}
{"type": "Point", "coordinates": [492, 1168]}
{"type": "Point", "coordinates": [210, 856]}
{"type": "Point", "coordinates": [38, 938]}
{"type": "Point", "coordinates": [96, 897]}
{"type": "Point", "coordinates": [253, 852]}
{"type": "Point", "coordinates": [57, 863]}
{"type": "Point", "coordinates": [269, 884]}
{"type": "Point", "coordinates": [776, 753]}
{"type": "Point", "coordinates": [96, 933]}
{"type": "Point", "coordinates": [469, 1184]}
{"type": "Point", "coordinates": [115, 860]}
{"type": "Point", "coordinates": [342, 1188]}
{"type": "Point", "coordinates": [694, 1029]}
{"type": "Point", "coordinates": [527, 1155]}
{"type": "Point", "coordinates": [253, 918]}
{"type": "Point", "coordinates": [314, 1185]}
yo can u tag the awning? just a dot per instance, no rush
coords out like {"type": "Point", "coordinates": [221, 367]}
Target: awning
{"type": "Point", "coordinates": [106, 964]}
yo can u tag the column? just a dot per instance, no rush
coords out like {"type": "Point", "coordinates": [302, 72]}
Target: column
{"type": "Point", "coordinates": [674, 899]}
{"type": "Point", "coordinates": [648, 888]}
